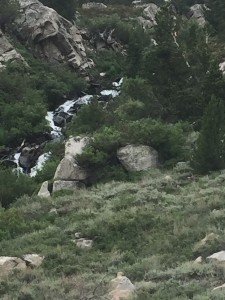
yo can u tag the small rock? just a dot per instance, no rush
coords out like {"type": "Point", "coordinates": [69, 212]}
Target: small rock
{"type": "Point", "coordinates": [44, 192]}
{"type": "Point", "coordinates": [77, 235]}
{"type": "Point", "coordinates": [94, 5]}
{"type": "Point", "coordinates": [203, 245]}
{"type": "Point", "coordinates": [53, 212]}
{"type": "Point", "coordinates": [84, 243]}
{"type": "Point", "coordinates": [8, 264]}
{"type": "Point", "coordinates": [198, 260]}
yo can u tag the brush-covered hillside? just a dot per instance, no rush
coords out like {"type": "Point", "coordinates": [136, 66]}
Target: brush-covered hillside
{"type": "Point", "coordinates": [112, 154]}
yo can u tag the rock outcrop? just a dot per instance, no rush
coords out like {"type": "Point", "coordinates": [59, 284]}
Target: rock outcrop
{"type": "Point", "coordinates": [138, 157]}
{"type": "Point", "coordinates": [121, 288]}
{"type": "Point", "coordinates": [148, 21]}
{"type": "Point", "coordinates": [197, 13]}
{"type": "Point", "coordinates": [51, 36]}
{"type": "Point", "coordinates": [8, 53]}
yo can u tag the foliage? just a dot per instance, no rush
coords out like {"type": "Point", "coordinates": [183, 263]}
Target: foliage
{"type": "Point", "coordinates": [210, 153]}
{"type": "Point", "coordinates": [13, 186]}
{"type": "Point", "coordinates": [8, 12]}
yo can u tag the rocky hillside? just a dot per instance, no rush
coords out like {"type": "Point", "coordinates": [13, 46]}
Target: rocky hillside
{"type": "Point", "coordinates": [112, 150]}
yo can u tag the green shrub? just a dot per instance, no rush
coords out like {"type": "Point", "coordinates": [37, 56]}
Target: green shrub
{"type": "Point", "coordinates": [12, 186]}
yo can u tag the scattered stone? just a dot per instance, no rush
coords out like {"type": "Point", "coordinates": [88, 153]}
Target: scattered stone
{"type": "Point", "coordinates": [138, 157]}
{"type": "Point", "coordinates": [33, 260]}
{"type": "Point", "coordinates": [219, 256]}
{"type": "Point", "coordinates": [65, 185]}
{"type": "Point", "coordinates": [121, 288]}
{"type": "Point", "coordinates": [84, 243]}
{"type": "Point", "coordinates": [44, 192]}
{"type": "Point", "coordinates": [51, 36]}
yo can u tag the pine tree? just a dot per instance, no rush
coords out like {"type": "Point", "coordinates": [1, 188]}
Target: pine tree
{"type": "Point", "coordinates": [209, 154]}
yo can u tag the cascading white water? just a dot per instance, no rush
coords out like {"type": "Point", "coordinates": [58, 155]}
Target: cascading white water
{"type": "Point", "coordinates": [56, 131]}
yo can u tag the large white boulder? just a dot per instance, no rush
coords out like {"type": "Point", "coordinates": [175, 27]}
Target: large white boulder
{"type": "Point", "coordinates": [138, 157]}
{"type": "Point", "coordinates": [51, 36]}
{"type": "Point", "coordinates": [69, 170]}
{"type": "Point", "coordinates": [121, 288]}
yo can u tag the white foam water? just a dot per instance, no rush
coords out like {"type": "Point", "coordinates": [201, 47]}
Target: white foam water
{"type": "Point", "coordinates": [40, 164]}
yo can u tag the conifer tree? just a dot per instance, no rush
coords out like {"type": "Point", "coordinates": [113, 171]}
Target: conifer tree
{"type": "Point", "coordinates": [209, 154]}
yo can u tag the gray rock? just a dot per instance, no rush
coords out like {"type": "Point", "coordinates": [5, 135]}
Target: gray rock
{"type": "Point", "coordinates": [44, 192]}
{"type": "Point", "coordinates": [121, 287]}
{"type": "Point", "coordinates": [197, 13]}
{"type": "Point", "coordinates": [33, 260]}
{"type": "Point", "coordinates": [8, 264]}
{"type": "Point", "coordinates": [138, 157]}
{"type": "Point", "coordinates": [69, 170]}
{"type": "Point", "coordinates": [150, 12]}
{"type": "Point", "coordinates": [7, 52]}
{"type": "Point", "coordinates": [51, 36]}
{"type": "Point", "coordinates": [65, 185]}
{"type": "Point", "coordinates": [84, 243]}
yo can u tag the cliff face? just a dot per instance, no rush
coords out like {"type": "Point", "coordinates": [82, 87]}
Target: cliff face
{"type": "Point", "coordinates": [49, 35]}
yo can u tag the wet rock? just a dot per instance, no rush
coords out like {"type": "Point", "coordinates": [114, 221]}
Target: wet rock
{"type": "Point", "coordinates": [60, 119]}
{"type": "Point", "coordinates": [138, 157]}
{"type": "Point", "coordinates": [28, 157]}
{"type": "Point", "coordinates": [44, 192]}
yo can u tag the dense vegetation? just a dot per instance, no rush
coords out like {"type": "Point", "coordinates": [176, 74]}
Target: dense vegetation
{"type": "Point", "coordinates": [147, 225]}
